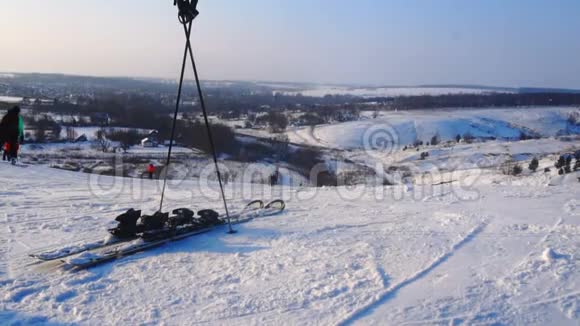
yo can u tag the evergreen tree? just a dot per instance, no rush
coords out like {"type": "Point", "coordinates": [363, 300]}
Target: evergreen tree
{"type": "Point", "coordinates": [436, 139]}
{"type": "Point", "coordinates": [568, 167]}
{"type": "Point", "coordinates": [561, 162]}
{"type": "Point", "coordinates": [534, 164]}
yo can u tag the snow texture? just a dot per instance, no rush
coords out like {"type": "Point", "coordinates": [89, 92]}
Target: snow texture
{"type": "Point", "coordinates": [365, 256]}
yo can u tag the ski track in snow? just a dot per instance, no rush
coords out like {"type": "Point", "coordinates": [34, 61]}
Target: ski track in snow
{"type": "Point", "coordinates": [391, 292]}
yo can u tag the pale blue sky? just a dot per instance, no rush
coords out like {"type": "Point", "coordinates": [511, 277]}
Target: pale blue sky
{"type": "Point", "coordinates": [392, 42]}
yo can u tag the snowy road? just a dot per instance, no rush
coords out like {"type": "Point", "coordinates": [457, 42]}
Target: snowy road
{"type": "Point", "coordinates": [384, 256]}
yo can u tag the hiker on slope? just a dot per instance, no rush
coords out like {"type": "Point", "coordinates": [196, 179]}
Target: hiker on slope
{"type": "Point", "coordinates": [12, 132]}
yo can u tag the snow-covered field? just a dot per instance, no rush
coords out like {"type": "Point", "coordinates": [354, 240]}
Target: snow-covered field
{"type": "Point", "coordinates": [493, 253]}
{"type": "Point", "coordinates": [368, 92]}
{"type": "Point", "coordinates": [10, 99]}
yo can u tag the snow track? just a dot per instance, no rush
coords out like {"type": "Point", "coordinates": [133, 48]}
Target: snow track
{"type": "Point", "coordinates": [391, 292]}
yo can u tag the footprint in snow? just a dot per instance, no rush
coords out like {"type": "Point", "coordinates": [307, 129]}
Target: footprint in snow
{"type": "Point", "coordinates": [65, 296]}
{"type": "Point", "coordinates": [572, 207]}
{"type": "Point", "coordinates": [21, 294]}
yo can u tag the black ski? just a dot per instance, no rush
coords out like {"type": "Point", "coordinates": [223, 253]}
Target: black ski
{"type": "Point", "coordinates": [80, 247]}
{"type": "Point", "coordinates": [101, 255]}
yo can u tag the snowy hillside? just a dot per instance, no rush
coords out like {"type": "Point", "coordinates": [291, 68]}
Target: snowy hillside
{"type": "Point", "coordinates": [405, 127]}
{"type": "Point", "coordinates": [503, 253]}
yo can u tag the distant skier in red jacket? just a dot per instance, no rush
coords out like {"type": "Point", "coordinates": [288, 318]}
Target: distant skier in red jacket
{"type": "Point", "coordinates": [151, 170]}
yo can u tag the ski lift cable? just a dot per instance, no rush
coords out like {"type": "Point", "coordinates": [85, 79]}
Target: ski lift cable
{"type": "Point", "coordinates": [187, 13]}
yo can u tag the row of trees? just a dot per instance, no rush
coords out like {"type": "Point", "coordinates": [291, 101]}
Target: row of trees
{"type": "Point", "coordinates": [276, 121]}
{"type": "Point", "coordinates": [484, 100]}
{"type": "Point", "coordinates": [564, 163]}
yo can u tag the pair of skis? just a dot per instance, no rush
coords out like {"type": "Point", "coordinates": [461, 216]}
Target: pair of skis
{"type": "Point", "coordinates": [84, 255]}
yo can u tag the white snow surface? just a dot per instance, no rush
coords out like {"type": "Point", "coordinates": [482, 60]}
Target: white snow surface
{"type": "Point", "coordinates": [364, 256]}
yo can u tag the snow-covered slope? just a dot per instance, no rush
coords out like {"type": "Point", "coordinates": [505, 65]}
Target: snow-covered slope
{"type": "Point", "coordinates": [492, 254]}
{"type": "Point", "coordinates": [405, 127]}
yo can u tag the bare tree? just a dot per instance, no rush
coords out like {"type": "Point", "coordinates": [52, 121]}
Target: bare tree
{"type": "Point", "coordinates": [102, 143]}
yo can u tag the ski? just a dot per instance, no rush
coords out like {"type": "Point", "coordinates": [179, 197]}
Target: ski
{"type": "Point", "coordinates": [112, 240]}
{"type": "Point", "coordinates": [15, 164]}
{"type": "Point", "coordinates": [73, 249]}
{"type": "Point", "coordinates": [98, 256]}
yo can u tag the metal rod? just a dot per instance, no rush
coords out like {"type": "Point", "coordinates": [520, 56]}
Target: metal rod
{"type": "Point", "coordinates": [177, 103]}
{"type": "Point", "coordinates": [209, 132]}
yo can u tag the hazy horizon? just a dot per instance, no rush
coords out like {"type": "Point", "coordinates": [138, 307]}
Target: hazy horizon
{"type": "Point", "coordinates": [290, 82]}
{"type": "Point", "coordinates": [383, 43]}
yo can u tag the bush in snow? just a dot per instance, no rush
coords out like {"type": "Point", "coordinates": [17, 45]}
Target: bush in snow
{"type": "Point", "coordinates": [436, 139]}
{"type": "Point", "coordinates": [40, 135]}
{"type": "Point", "coordinates": [126, 139]}
{"type": "Point", "coordinates": [276, 120]}
{"type": "Point", "coordinates": [517, 170]}
{"type": "Point", "coordinates": [468, 137]}
{"type": "Point", "coordinates": [511, 168]}
{"type": "Point", "coordinates": [310, 119]}
{"type": "Point", "coordinates": [524, 136]}
{"type": "Point", "coordinates": [561, 162]}
{"type": "Point", "coordinates": [534, 164]}
{"type": "Point", "coordinates": [102, 144]}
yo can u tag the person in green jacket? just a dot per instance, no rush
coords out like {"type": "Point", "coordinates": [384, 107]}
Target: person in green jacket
{"type": "Point", "coordinates": [12, 132]}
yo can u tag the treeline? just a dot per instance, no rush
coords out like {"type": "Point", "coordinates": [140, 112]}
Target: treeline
{"type": "Point", "coordinates": [126, 110]}
{"type": "Point", "coordinates": [483, 100]}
